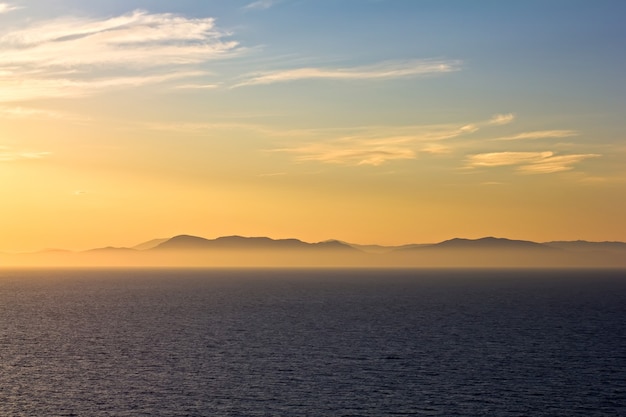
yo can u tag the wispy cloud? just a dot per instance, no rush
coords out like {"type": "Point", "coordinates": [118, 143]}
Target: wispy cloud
{"type": "Point", "coordinates": [9, 155]}
{"type": "Point", "coordinates": [137, 38]}
{"type": "Point", "coordinates": [495, 159]}
{"type": "Point", "coordinates": [6, 7]}
{"type": "Point", "coordinates": [385, 70]}
{"type": "Point", "coordinates": [67, 56]}
{"type": "Point", "coordinates": [206, 127]}
{"type": "Point", "coordinates": [541, 134]}
{"type": "Point", "coordinates": [528, 162]}
{"type": "Point", "coordinates": [15, 89]}
{"type": "Point", "coordinates": [19, 112]}
{"type": "Point", "coordinates": [353, 152]}
{"type": "Point", "coordinates": [197, 86]}
{"type": "Point", "coordinates": [378, 145]}
{"type": "Point", "coordinates": [501, 119]}
{"type": "Point", "coordinates": [260, 5]}
{"type": "Point", "coordinates": [556, 163]}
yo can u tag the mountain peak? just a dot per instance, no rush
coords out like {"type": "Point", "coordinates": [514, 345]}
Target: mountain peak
{"type": "Point", "coordinates": [183, 242]}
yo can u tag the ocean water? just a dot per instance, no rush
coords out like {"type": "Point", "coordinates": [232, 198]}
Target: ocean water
{"type": "Point", "coordinates": [312, 343]}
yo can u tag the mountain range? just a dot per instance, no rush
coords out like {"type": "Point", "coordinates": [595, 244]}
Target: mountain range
{"type": "Point", "coordinates": [187, 242]}
{"type": "Point", "coordinates": [195, 251]}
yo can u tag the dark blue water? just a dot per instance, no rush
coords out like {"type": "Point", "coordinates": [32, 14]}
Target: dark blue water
{"type": "Point", "coordinates": [312, 343]}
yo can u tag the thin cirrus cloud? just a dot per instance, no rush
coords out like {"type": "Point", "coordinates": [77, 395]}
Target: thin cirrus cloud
{"type": "Point", "coordinates": [76, 52]}
{"type": "Point", "coordinates": [501, 119]}
{"type": "Point", "coordinates": [378, 145]}
{"type": "Point", "coordinates": [9, 155]}
{"type": "Point", "coordinates": [197, 86]}
{"type": "Point", "coordinates": [528, 162]}
{"type": "Point", "coordinates": [15, 89]}
{"type": "Point", "coordinates": [260, 5]}
{"type": "Point", "coordinates": [348, 151]}
{"type": "Point", "coordinates": [385, 70]}
{"type": "Point", "coordinates": [541, 134]}
{"type": "Point", "coordinates": [5, 8]}
{"type": "Point", "coordinates": [496, 120]}
{"type": "Point", "coordinates": [30, 113]}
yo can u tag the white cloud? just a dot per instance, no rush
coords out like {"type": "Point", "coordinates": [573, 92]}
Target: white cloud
{"type": "Point", "coordinates": [197, 86]}
{"type": "Point", "coordinates": [5, 8]}
{"type": "Point", "coordinates": [542, 134]}
{"type": "Point", "coordinates": [137, 38]}
{"type": "Point", "coordinates": [385, 70]}
{"type": "Point", "coordinates": [66, 56]}
{"type": "Point", "coordinates": [471, 128]}
{"type": "Point", "coordinates": [529, 162]}
{"type": "Point", "coordinates": [260, 5]}
{"type": "Point", "coordinates": [501, 119]}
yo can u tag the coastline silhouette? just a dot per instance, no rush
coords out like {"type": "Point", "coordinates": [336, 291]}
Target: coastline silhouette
{"type": "Point", "coordinates": [233, 251]}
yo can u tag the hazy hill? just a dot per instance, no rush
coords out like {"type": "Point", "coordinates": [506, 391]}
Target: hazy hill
{"type": "Point", "coordinates": [386, 249]}
{"type": "Point", "coordinates": [149, 244]}
{"type": "Point", "coordinates": [110, 249]}
{"type": "Point", "coordinates": [187, 242]}
{"type": "Point", "coordinates": [488, 243]}
{"type": "Point", "coordinates": [583, 245]}
{"type": "Point", "coordinates": [194, 251]}
{"type": "Point", "coordinates": [501, 252]}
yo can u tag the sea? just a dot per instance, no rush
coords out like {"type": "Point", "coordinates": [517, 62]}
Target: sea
{"type": "Point", "coordinates": [312, 342]}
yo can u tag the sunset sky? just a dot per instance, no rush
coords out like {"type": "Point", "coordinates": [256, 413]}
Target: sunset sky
{"type": "Point", "coordinates": [368, 121]}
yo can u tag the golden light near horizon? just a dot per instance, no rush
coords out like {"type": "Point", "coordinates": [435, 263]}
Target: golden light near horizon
{"type": "Point", "coordinates": [120, 123]}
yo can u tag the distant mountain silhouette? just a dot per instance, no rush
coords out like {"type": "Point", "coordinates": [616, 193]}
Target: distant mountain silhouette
{"type": "Point", "coordinates": [187, 242]}
{"type": "Point", "coordinates": [183, 242]}
{"type": "Point", "coordinates": [486, 252]}
{"type": "Point", "coordinates": [110, 249]}
{"type": "Point", "coordinates": [149, 244]}
{"type": "Point", "coordinates": [52, 250]}
{"type": "Point", "coordinates": [334, 244]}
{"type": "Point", "coordinates": [195, 251]}
{"type": "Point", "coordinates": [583, 245]}
{"type": "Point", "coordinates": [484, 244]}
{"type": "Point", "coordinates": [488, 243]}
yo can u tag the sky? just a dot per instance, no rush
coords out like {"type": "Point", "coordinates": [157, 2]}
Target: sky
{"type": "Point", "coordinates": [367, 121]}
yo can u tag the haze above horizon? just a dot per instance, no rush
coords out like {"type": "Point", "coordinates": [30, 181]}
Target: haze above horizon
{"type": "Point", "coordinates": [369, 121]}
